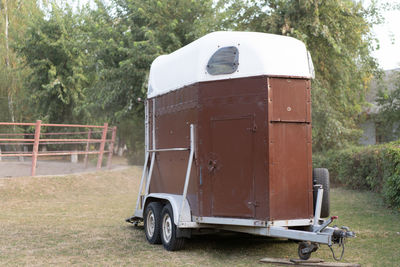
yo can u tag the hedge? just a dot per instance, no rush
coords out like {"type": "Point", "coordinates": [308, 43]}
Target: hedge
{"type": "Point", "coordinates": [375, 168]}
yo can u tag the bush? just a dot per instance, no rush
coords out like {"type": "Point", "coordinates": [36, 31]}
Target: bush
{"type": "Point", "coordinates": [375, 168]}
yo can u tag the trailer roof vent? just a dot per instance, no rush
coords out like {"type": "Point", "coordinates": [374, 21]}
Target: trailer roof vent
{"type": "Point", "coordinates": [224, 61]}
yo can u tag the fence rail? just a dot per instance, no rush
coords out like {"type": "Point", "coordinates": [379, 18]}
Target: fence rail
{"type": "Point", "coordinates": [36, 141]}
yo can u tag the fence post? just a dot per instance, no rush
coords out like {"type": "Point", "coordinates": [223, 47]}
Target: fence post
{"type": "Point", "coordinates": [1, 158]}
{"type": "Point", "coordinates": [85, 160]}
{"type": "Point", "coordinates": [35, 147]}
{"type": "Point", "coordinates": [111, 147]}
{"type": "Point", "coordinates": [102, 144]}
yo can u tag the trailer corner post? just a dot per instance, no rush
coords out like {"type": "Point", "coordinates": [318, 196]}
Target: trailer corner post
{"type": "Point", "coordinates": [35, 147]}
{"type": "Point", "coordinates": [146, 162]}
{"type": "Point", "coordinates": [154, 149]}
{"type": "Point", "coordinates": [102, 144]}
{"type": "Point", "coordinates": [188, 171]}
{"type": "Point", "coordinates": [147, 155]}
{"type": "Point", "coordinates": [148, 178]}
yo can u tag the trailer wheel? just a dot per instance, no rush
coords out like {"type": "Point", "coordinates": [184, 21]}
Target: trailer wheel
{"type": "Point", "coordinates": [321, 176]}
{"type": "Point", "coordinates": [168, 230]}
{"type": "Point", "coordinates": [304, 255]}
{"type": "Point", "coordinates": [306, 248]}
{"type": "Point", "coordinates": [152, 222]}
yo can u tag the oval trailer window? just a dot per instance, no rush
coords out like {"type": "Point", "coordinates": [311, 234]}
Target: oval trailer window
{"type": "Point", "coordinates": [224, 61]}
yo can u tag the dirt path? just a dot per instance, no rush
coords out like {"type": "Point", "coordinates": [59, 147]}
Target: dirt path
{"type": "Point", "coordinates": [18, 169]}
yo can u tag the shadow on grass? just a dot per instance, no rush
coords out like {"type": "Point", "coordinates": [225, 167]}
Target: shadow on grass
{"type": "Point", "coordinates": [225, 242]}
{"type": "Point", "coordinates": [232, 242]}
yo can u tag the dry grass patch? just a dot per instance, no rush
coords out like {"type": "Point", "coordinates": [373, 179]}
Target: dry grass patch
{"type": "Point", "coordinates": [79, 219]}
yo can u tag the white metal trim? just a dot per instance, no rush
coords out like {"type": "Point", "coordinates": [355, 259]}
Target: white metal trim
{"type": "Point", "coordinates": [324, 238]}
{"type": "Point", "coordinates": [189, 225]}
{"type": "Point", "coordinates": [281, 232]}
{"type": "Point", "coordinates": [169, 149]}
{"type": "Point", "coordinates": [176, 202]}
{"type": "Point", "coordinates": [251, 222]}
{"type": "Point", "coordinates": [229, 221]}
{"type": "Point", "coordinates": [318, 205]}
{"type": "Point", "coordinates": [146, 125]}
{"type": "Point", "coordinates": [154, 125]}
{"type": "Point", "coordinates": [290, 223]}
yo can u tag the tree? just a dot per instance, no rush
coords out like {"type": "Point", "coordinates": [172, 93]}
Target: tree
{"type": "Point", "coordinates": [338, 35]}
{"type": "Point", "coordinates": [54, 49]}
{"type": "Point", "coordinates": [15, 16]}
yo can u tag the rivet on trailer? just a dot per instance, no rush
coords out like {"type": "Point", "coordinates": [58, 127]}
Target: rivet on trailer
{"type": "Point", "coordinates": [228, 144]}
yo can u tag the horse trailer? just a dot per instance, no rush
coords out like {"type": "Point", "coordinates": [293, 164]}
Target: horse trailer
{"type": "Point", "coordinates": [228, 144]}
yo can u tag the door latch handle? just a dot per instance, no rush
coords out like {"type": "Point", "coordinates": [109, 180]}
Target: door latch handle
{"type": "Point", "coordinates": [212, 165]}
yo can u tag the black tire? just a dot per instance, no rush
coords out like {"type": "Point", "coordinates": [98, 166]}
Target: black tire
{"type": "Point", "coordinates": [321, 176]}
{"type": "Point", "coordinates": [168, 230]}
{"type": "Point", "coordinates": [303, 256]}
{"type": "Point", "coordinates": [152, 222]}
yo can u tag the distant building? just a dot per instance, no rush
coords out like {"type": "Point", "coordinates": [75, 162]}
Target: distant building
{"type": "Point", "coordinates": [369, 126]}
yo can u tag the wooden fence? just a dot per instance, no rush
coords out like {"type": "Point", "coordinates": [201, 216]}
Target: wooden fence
{"type": "Point", "coordinates": [52, 139]}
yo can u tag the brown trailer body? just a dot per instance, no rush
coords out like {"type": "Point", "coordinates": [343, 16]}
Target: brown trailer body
{"type": "Point", "coordinates": [253, 147]}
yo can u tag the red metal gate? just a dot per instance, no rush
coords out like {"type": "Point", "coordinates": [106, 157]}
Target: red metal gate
{"type": "Point", "coordinates": [52, 140]}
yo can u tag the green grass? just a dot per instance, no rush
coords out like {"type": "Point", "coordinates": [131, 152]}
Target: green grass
{"type": "Point", "coordinates": [79, 219]}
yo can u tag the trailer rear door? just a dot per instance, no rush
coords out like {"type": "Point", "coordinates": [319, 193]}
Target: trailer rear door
{"type": "Point", "coordinates": [231, 167]}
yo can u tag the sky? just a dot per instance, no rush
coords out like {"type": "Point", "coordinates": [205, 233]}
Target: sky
{"type": "Point", "coordinates": [388, 34]}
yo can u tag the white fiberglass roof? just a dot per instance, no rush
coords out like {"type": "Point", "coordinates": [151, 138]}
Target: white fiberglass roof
{"type": "Point", "coordinates": [259, 54]}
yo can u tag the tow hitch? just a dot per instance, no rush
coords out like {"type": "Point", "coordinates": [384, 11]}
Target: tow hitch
{"type": "Point", "coordinates": [339, 237]}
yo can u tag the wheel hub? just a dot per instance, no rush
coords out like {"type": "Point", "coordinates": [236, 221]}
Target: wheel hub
{"type": "Point", "coordinates": [167, 228]}
{"type": "Point", "coordinates": [150, 223]}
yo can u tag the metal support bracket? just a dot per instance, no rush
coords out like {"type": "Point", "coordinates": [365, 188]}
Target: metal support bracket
{"type": "Point", "coordinates": [318, 206]}
{"type": "Point", "coordinates": [188, 171]}
{"type": "Point", "coordinates": [148, 173]}
{"type": "Point", "coordinates": [324, 225]}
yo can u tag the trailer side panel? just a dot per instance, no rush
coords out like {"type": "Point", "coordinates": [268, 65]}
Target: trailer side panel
{"type": "Point", "coordinates": [174, 112]}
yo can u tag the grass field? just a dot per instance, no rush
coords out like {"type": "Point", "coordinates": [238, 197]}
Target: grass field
{"type": "Point", "coordinates": [79, 219]}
